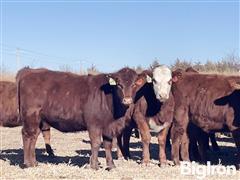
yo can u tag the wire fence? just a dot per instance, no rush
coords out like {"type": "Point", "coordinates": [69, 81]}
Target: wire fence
{"type": "Point", "coordinates": [15, 58]}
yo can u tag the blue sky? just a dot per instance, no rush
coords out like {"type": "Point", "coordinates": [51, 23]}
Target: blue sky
{"type": "Point", "coordinates": [112, 35]}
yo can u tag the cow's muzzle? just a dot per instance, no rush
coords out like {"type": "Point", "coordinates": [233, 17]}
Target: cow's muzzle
{"type": "Point", "coordinates": [162, 98]}
{"type": "Point", "coordinates": [127, 101]}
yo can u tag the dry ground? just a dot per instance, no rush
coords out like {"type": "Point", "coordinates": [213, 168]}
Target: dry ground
{"type": "Point", "coordinates": [72, 154]}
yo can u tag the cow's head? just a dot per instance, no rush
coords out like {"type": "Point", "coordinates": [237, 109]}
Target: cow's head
{"type": "Point", "coordinates": [162, 82]}
{"type": "Point", "coordinates": [126, 82]}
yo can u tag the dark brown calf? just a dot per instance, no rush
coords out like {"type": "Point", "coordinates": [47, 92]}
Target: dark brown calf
{"type": "Point", "coordinates": [9, 116]}
{"type": "Point", "coordinates": [208, 101]}
{"type": "Point", "coordinates": [70, 103]}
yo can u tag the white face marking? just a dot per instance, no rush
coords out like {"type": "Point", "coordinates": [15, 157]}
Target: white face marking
{"type": "Point", "coordinates": [162, 77]}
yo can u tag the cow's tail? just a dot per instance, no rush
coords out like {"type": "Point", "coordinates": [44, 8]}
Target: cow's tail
{"type": "Point", "coordinates": [18, 96]}
{"type": "Point", "coordinates": [21, 73]}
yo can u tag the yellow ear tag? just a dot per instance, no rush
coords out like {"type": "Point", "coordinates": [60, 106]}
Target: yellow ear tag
{"type": "Point", "coordinates": [149, 79]}
{"type": "Point", "coordinates": [112, 82]}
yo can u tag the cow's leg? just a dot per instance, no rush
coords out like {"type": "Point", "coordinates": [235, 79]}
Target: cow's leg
{"type": "Point", "coordinates": [123, 143]}
{"type": "Point", "coordinates": [46, 135]}
{"type": "Point", "coordinates": [215, 146]}
{"type": "Point", "coordinates": [193, 150]}
{"type": "Point", "coordinates": [162, 136]}
{"type": "Point", "coordinates": [179, 135]}
{"type": "Point", "coordinates": [119, 153]}
{"type": "Point", "coordinates": [30, 133]}
{"type": "Point", "coordinates": [146, 138]}
{"type": "Point", "coordinates": [168, 143]}
{"type": "Point", "coordinates": [184, 147]}
{"type": "Point", "coordinates": [32, 146]}
{"type": "Point", "coordinates": [26, 148]}
{"type": "Point", "coordinates": [120, 150]}
{"type": "Point", "coordinates": [126, 141]}
{"type": "Point", "coordinates": [175, 144]}
{"type": "Point", "coordinates": [95, 138]}
{"type": "Point", "coordinates": [45, 128]}
{"type": "Point", "coordinates": [108, 150]}
{"type": "Point", "coordinates": [203, 146]}
{"type": "Point", "coordinates": [236, 136]}
{"type": "Point", "coordinates": [207, 143]}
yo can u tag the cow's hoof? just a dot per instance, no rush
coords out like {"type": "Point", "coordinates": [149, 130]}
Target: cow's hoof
{"type": "Point", "coordinates": [121, 158]}
{"type": "Point", "coordinates": [145, 163]}
{"type": "Point", "coordinates": [28, 165]}
{"type": "Point", "coordinates": [176, 163]}
{"type": "Point", "coordinates": [163, 164]}
{"type": "Point", "coordinates": [23, 166]}
{"type": "Point", "coordinates": [34, 164]}
{"type": "Point", "coordinates": [109, 168]}
{"type": "Point", "coordinates": [95, 167]}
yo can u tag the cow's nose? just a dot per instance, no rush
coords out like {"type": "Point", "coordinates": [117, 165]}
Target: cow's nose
{"type": "Point", "coordinates": [127, 100]}
{"type": "Point", "coordinates": [163, 97]}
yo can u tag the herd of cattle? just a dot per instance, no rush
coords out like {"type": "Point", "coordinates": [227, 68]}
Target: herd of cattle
{"type": "Point", "coordinates": [187, 105]}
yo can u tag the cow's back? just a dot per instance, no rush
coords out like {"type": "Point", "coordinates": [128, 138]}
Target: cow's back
{"type": "Point", "coordinates": [66, 101]}
{"type": "Point", "coordinates": [8, 105]}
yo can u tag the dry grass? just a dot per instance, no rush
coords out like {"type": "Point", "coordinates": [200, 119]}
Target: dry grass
{"type": "Point", "coordinates": [72, 154]}
{"type": "Point", "coordinates": [7, 77]}
{"type": "Point", "coordinates": [226, 73]}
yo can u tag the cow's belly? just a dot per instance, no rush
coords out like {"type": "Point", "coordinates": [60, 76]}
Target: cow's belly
{"type": "Point", "coordinates": [66, 125]}
{"type": "Point", "coordinates": [10, 121]}
{"type": "Point", "coordinates": [64, 119]}
{"type": "Point", "coordinates": [210, 117]}
{"type": "Point", "coordinates": [207, 124]}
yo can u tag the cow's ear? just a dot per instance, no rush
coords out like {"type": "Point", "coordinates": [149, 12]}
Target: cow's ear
{"type": "Point", "coordinates": [111, 80]}
{"type": "Point", "coordinates": [234, 85]}
{"type": "Point", "coordinates": [174, 79]}
{"type": "Point", "coordinates": [140, 81]}
{"type": "Point", "coordinates": [176, 76]}
{"type": "Point", "coordinates": [147, 76]}
{"type": "Point", "coordinates": [149, 79]}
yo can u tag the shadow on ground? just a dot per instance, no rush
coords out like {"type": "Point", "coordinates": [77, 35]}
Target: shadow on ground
{"type": "Point", "coordinates": [15, 157]}
{"type": "Point", "coordinates": [226, 156]}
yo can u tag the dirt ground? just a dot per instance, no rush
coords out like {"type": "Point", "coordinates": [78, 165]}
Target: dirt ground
{"type": "Point", "coordinates": [72, 152]}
